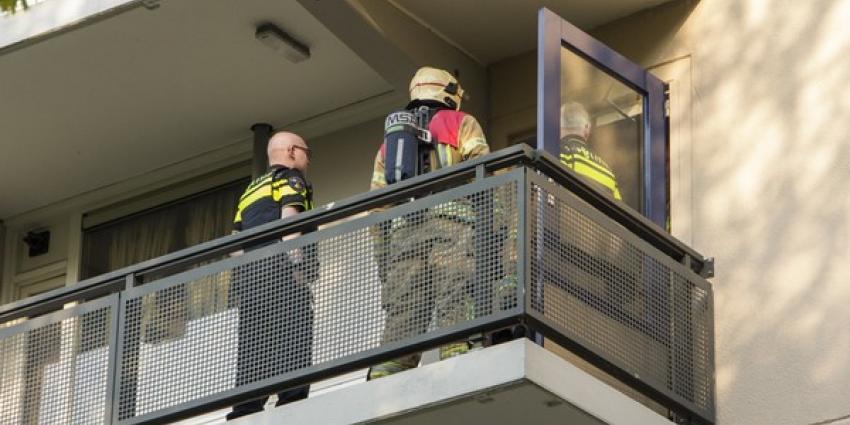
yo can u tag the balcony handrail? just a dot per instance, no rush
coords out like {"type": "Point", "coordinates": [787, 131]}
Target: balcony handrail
{"type": "Point", "coordinates": [479, 167]}
{"type": "Point", "coordinates": [626, 216]}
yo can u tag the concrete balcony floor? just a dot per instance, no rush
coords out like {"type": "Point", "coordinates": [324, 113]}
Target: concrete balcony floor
{"type": "Point", "coordinates": [513, 383]}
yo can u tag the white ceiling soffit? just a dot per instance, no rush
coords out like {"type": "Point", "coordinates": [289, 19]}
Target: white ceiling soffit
{"type": "Point", "coordinates": [146, 88]}
{"type": "Point", "coordinates": [492, 30]}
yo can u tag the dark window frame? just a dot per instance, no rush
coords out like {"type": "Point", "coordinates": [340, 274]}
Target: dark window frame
{"type": "Point", "coordinates": [555, 33]}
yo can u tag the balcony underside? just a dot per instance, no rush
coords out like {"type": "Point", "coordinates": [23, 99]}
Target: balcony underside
{"type": "Point", "coordinates": [513, 383]}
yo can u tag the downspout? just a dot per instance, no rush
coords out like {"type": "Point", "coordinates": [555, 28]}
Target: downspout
{"type": "Point", "coordinates": [260, 157]}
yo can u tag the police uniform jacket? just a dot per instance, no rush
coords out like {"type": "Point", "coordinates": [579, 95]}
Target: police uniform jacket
{"type": "Point", "coordinates": [268, 194]}
{"type": "Point", "coordinates": [577, 156]}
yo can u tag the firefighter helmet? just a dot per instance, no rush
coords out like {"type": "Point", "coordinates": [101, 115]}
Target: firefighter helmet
{"type": "Point", "coordinates": [436, 84]}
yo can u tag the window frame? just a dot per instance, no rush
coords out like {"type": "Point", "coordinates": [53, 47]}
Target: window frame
{"type": "Point", "coordinates": [555, 33]}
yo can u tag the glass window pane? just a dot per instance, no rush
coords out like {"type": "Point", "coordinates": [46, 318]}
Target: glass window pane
{"type": "Point", "coordinates": [604, 116]}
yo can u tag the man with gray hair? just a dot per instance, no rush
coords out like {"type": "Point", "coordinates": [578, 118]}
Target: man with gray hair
{"type": "Point", "coordinates": [577, 156]}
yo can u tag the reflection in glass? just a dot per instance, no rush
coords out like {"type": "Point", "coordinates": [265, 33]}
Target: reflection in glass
{"type": "Point", "coordinates": [601, 128]}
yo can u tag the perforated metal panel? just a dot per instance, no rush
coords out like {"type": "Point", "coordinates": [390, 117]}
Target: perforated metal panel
{"type": "Point", "coordinates": [56, 367]}
{"type": "Point", "coordinates": [620, 298]}
{"type": "Point", "coordinates": [358, 287]}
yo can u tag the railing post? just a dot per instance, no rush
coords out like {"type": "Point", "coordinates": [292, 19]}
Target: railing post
{"type": "Point", "coordinates": [524, 234]}
{"type": "Point", "coordinates": [486, 256]}
{"type": "Point", "coordinates": [117, 358]}
{"type": "Point", "coordinates": [129, 281]}
{"type": "Point", "coordinates": [480, 172]}
{"type": "Point", "coordinates": [112, 374]}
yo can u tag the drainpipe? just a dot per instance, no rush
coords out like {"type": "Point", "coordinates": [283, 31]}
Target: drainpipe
{"type": "Point", "coordinates": [260, 161]}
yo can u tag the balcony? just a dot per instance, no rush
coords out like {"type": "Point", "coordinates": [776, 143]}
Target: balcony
{"type": "Point", "coordinates": [544, 251]}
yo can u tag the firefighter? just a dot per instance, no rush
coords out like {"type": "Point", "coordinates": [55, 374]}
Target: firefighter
{"type": "Point", "coordinates": [425, 260]}
{"type": "Point", "coordinates": [577, 156]}
{"type": "Point", "coordinates": [273, 296]}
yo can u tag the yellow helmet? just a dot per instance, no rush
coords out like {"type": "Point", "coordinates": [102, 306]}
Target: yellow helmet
{"type": "Point", "coordinates": [436, 84]}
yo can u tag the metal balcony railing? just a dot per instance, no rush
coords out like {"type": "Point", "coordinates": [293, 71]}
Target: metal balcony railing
{"type": "Point", "coordinates": [508, 239]}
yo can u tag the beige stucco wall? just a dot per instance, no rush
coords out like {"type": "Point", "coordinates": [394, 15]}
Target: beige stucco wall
{"type": "Point", "coordinates": [760, 148]}
{"type": "Point", "coordinates": [771, 148]}
{"type": "Point", "coordinates": [513, 99]}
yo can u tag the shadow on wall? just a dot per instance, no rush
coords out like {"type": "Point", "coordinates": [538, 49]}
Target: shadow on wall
{"type": "Point", "coordinates": [771, 164]}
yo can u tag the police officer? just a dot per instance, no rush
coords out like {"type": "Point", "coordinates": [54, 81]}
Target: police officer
{"type": "Point", "coordinates": [577, 156]}
{"type": "Point", "coordinates": [273, 295]}
{"type": "Point", "coordinates": [425, 260]}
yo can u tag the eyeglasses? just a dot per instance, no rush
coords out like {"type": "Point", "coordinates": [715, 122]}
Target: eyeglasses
{"type": "Point", "coordinates": [305, 149]}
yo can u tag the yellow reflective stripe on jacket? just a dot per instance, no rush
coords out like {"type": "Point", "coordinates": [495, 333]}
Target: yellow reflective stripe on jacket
{"type": "Point", "coordinates": [569, 159]}
{"type": "Point", "coordinates": [471, 140]}
{"type": "Point", "coordinates": [442, 158]}
{"type": "Point", "coordinates": [254, 186]}
{"type": "Point", "coordinates": [379, 179]}
{"type": "Point", "coordinates": [254, 196]}
{"type": "Point", "coordinates": [596, 172]}
{"type": "Point", "coordinates": [281, 188]}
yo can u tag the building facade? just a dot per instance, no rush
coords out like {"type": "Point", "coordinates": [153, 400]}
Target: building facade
{"type": "Point", "coordinates": [126, 136]}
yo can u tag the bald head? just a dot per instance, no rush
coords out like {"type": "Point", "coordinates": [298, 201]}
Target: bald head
{"type": "Point", "coordinates": [288, 149]}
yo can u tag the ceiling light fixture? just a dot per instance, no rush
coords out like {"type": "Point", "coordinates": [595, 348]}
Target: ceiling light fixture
{"type": "Point", "coordinates": [283, 43]}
